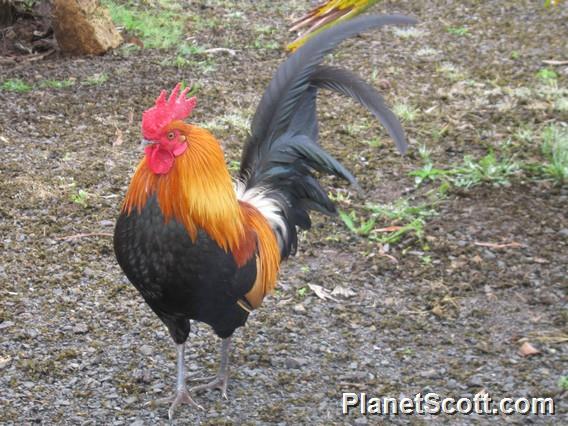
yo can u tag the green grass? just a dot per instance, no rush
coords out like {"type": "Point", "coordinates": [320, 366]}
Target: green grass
{"type": "Point", "coordinates": [406, 33]}
{"type": "Point", "coordinates": [426, 52]}
{"type": "Point", "coordinates": [451, 71]}
{"type": "Point", "coordinates": [56, 84]}
{"type": "Point", "coordinates": [403, 217]}
{"type": "Point", "coordinates": [359, 226]}
{"type": "Point", "coordinates": [157, 28]}
{"type": "Point", "coordinates": [401, 211]}
{"type": "Point", "coordinates": [191, 55]}
{"type": "Point", "coordinates": [20, 86]}
{"type": "Point", "coordinates": [458, 31]}
{"type": "Point", "coordinates": [405, 111]}
{"type": "Point", "coordinates": [374, 142]}
{"type": "Point", "coordinates": [190, 49]}
{"type": "Point", "coordinates": [96, 79]}
{"type": "Point", "coordinates": [15, 85]}
{"type": "Point", "coordinates": [561, 104]}
{"type": "Point", "coordinates": [80, 198]}
{"type": "Point", "coordinates": [234, 165]}
{"type": "Point", "coordinates": [487, 170]}
{"type": "Point", "coordinates": [263, 43]}
{"type": "Point", "coordinates": [354, 128]}
{"type": "Point", "coordinates": [555, 150]}
{"type": "Point", "coordinates": [547, 75]}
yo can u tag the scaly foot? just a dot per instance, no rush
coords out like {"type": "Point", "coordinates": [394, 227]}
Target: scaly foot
{"type": "Point", "coordinates": [181, 396]}
{"type": "Point", "coordinates": [219, 382]}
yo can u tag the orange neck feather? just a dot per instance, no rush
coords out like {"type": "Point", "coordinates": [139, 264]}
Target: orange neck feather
{"type": "Point", "coordinates": [197, 191]}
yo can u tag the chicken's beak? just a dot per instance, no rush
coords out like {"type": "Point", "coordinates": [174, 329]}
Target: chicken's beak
{"type": "Point", "coordinates": [144, 143]}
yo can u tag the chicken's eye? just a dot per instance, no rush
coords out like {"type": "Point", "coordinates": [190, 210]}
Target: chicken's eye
{"type": "Point", "coordinates": [171, 136]}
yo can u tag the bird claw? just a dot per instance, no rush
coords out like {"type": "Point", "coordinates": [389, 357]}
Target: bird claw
{"type": "Point", "coordinates": [218, 382]}
{"type": "Point", "coordinates": [201, 379]}
{"type": "Point", "coordinates": [181, 396]}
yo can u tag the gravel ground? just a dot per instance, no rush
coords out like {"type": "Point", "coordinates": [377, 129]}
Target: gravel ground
{"type": "Point", "coordinates": [78, 345]}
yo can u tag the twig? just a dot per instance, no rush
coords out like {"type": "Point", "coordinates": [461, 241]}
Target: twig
{"type": "Point", "coordinates": [221, 49]}
{"type": "Point", "coordinates": [25, 59]}
{"type": "Point", "coordinates": [383, 253]}
{"type": "Point", "coordinates": [389, 229]}
{"type": "Point", "coordinates": [88, 234]}
{"type": "Point", "coordinates": [499, 246]}
{"type": "Point", "coordinates": [553, 62]}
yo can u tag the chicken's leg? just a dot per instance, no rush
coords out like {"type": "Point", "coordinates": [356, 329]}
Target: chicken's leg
{"type": "Point", "coordinates": [221, 380]}
{"type": "Point", "coordinates": [182, 395]}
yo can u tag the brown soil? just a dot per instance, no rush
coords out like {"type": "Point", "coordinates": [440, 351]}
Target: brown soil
{"type": "Point", "coordinates": [78, 345]}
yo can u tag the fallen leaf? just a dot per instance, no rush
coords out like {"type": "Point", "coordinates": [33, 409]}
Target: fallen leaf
{"type": "Point", "coordinates": [499, 246]}
{"type": "Point", "coordinates": [527, 349]}
{"type": "Point", "coordinates": [342, 291]}
{"type": "Point", "coordinates": [438, 311]}
{"type": "Point", "coordinates": [389, 229]}
{"type": "Point", "coordinates": [321, 292]}
{"type": "Point", "coordinates": [477, 259]}
{"type": "Point", "coordinates": [118, 141]}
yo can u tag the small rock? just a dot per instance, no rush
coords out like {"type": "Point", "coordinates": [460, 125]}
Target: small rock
{"type": "Point", "coordinates": [299, 308]}
{"type": "Point", "coordinates": [32, 332]}
{"type": "Point", "coordinates": [361, 421]}
{"type": "Point", "coordinates": [563, 232]}
{"type": "Point", "coordinates": [131, 400]}
{"type": "Point", "coordinates": [88, 272]}
{"type": "Point", "coordinates": [475, 381]}
{"type": "Point", "coordinates": [81, 328]}
{"type": "Point", "coordinates": [294, 363]}
{"type": "Point", "coordinates": [6, 324]}
{"type": "Point", "coordinates": [106, 223]}
{"type": "Point", "coordinates": [137, 423]}
{"type": "Point", "coordinates": [487, 254]}
{"type": "Point", "coordinates": [428, 374]}
{"type": "Point", "coordinates": [452, 384]}
{"type": "Point", "coordinates": [4, 361]}
{"type": "Point", "coordinates": [146, 350]}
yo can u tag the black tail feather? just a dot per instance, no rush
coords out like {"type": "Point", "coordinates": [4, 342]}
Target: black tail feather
{"type": "Point", "coordinates": [346, 83]}
{"type": "Point", "coordinates": [282, 151]}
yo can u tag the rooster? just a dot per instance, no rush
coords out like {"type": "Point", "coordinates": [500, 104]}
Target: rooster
{"type": "Point", "coordinates": [198, 246]}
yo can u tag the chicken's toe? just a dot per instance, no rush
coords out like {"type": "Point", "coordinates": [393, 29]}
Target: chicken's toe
{"type": "Point", "coordinates": [182, 396]}
{"type": "Point", "coordinates": [219, 382]}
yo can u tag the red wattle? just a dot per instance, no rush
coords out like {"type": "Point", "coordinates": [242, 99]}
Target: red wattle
{"type": "Point", "coordinates": [160, 160]}
{"type": "Point", "coordinates": [179, 149]}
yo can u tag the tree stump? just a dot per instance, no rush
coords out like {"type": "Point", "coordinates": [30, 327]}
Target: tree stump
{"type": "Point", "coordinates": [7, 13]}
{"type": "Point", "coordinates": [84, 27]}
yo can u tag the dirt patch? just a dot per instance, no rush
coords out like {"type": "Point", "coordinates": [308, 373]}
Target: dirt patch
{"type": "Point", "coordinates": [78, 345]}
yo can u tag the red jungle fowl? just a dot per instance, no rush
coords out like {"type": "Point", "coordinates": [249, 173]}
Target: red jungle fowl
{"type": "Point", "coordinates": [198, 246]}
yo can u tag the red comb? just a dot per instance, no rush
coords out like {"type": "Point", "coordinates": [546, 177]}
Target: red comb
{"type": "Point", "coordinates": [176, 107]}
